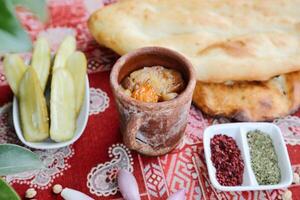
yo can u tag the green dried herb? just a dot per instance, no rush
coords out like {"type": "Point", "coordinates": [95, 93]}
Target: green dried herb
{"type": "Point", "coordinates": [264, 160]}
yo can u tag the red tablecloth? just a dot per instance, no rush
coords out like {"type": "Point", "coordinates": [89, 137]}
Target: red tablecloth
{"type": "Point", "coordinates": [89, 165]}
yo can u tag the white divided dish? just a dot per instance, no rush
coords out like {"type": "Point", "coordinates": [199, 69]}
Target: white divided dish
{"type": "Point", "coordinates": [238, 131]}
{"type": "Point", "coordinates": [50, 144]}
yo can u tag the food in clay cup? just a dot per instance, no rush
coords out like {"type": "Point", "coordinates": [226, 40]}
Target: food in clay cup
{"type": "Point", "coordinates": [240, 133]}
{"type": "Point", "coordinates": [152, 126]}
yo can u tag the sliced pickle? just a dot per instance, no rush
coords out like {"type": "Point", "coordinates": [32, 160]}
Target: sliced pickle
{"type": "Point", "coordinates": [33, 109]}
{"type": "Point", "coordinates": [66, 48]}
{"type": "Point", "coordinates": [77, 64]}
{"type": "Point", "coordinates": [41, 60]}
{"type": "Point", "coordinates": [62, 106]}
{"type": "Point", "coordinates": [14, 68]}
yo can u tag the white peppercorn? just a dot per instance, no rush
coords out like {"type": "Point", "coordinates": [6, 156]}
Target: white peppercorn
{"type": "Point", "coordinates": [296, 178]}
{"type": "Point", "coordinates": [287, 195]}
{"type": "Point", "coordinates": [57, 188]}
{"type": "Point", "coordinates": [30, 193]}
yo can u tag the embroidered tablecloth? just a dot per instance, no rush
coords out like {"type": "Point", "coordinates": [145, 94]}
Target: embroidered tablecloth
{"type": "Point", "coordinates": [90, 164]}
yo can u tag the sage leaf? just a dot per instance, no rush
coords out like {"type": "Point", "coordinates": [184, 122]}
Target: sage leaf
{"type": "Point", "coordinates": [38, 7]}
{"type": "Point", "coordinates": [16, 159]}
{"type": "Point", "coordinates": [12, 36]}
{"type": "Point", "coordinates": [7, 192]}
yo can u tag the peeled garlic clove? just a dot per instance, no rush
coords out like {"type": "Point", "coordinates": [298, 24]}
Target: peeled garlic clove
{"type": "Point", "coordinates": [70, 194]}
{"type": "Point", "coordinates": [128, 185]}
{"type": "Point", "coordinates": [66, 48]}
{"type": "Point", "coordinates": [14, 68]}
{"type": "Point", "coordinates": [41, 59]}
{"type": "Point", "coordinates": [179, 195]}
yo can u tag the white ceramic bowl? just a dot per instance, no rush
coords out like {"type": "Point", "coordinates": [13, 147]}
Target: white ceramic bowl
{"type": "Point", "coordinates": [50, 144]}
{"type": "Point", "coordinates": [238, 131]}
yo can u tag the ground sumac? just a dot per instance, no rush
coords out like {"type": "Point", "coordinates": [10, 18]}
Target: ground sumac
{"type": "Point", "coordinates": [226, 157]}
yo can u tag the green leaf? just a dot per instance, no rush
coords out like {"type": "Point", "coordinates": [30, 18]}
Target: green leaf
{"type": "Point", "coordinates": [38, 7]}
{"type": "Point", "coordinates": [16, 159]}
{"type": "Point", "coordinates": [12, 37]}
{"type": "Point", "coordinates": [7, 192]}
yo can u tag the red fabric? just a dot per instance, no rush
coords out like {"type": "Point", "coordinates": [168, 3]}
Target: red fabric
{"type": "Point", "coordinates": [157, 176]}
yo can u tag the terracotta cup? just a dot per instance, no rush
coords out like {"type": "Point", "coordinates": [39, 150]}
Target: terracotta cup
{"type": "Point", "coordinates": [152, 128]}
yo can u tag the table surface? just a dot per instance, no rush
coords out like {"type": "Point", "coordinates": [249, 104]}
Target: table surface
{"type": "Point", "coordinates": [90, 164]}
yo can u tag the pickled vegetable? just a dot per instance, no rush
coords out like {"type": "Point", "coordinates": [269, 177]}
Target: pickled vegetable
{"type": "Point", "coordinates": [62, 106]}
{"type": "Point", "coordinates": [14, 68]}
{"type": "Point", "coordinates": [66, 48]}
{"type": "Point", "coordinates": [77, 64]}
{"type": "Point", "coordinates": [41, 60]}
{"type": "Point", "coordinates": [33, 109]}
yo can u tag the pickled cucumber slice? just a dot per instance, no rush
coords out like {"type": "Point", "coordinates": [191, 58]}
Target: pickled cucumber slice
{"type": "Point", "coordinates": [33, 109]}
{"type": "Point", "coordinates": [14, 68]}
{"type": "Point", "coordinates": [41, 60]}
{"type": "Point", "coordinates": [62, 106]}
{"type": "Point", "coordinates": [76, 65]}
{"type": "Point", "coordinates": [66, 48]}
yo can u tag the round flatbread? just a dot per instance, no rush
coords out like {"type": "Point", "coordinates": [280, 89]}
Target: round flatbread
{"type": "Point", "coordinates": [225, 40]}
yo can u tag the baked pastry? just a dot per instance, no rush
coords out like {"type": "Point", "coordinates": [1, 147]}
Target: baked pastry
{"type": "Point", "coordinates": [250, 101]}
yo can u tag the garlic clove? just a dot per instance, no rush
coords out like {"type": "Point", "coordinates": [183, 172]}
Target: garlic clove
{"type": "Point", "coordinates": [128, 185]}
{"type": "Point", "coordinates": [70, 194]}
{"type": "Point", "coordinates": [179, 195]}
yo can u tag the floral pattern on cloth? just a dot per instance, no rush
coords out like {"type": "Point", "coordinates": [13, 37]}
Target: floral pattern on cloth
{"type": "Point", "coordinates": [55, 162]}
{"type": "Point", "coordinates": [99, 101]}
{"type": "Point", "coordinates": [7, 132]}
{"type": "Point", "coordinates": [290, 127]}
{"type": "Point", "coordinates": [196, 126]}
{"type": "Point", "coordinates": [102, 179]}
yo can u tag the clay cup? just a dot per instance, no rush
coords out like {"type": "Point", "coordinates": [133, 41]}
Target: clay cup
{"type": "Point", "coordinates": [152, 128]}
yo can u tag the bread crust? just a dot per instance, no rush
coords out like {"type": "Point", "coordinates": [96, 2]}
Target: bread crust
{"type": "Point", "coordinates": [250, 101]}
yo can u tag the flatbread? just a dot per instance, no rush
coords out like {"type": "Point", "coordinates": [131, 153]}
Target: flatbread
{"type": "Point", "coordinates": [250, 101]}
{"type": "Point", "coordinates": [225, 40]}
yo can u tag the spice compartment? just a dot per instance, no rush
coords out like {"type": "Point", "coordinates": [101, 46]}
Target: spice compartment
{"type": "Point", "coordinates": [238, 131]}
{"type": "Point", "coordinates": [280, 149]}
{"type": "Point", "coordinates": [233, 131]}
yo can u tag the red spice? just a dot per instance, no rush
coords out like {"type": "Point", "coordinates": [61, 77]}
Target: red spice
{"type": "Point", "coordinates": [226, 157]}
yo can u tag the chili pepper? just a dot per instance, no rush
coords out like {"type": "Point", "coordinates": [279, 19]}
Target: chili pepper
{"type": "Point", "coordinates": [226, 157]}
